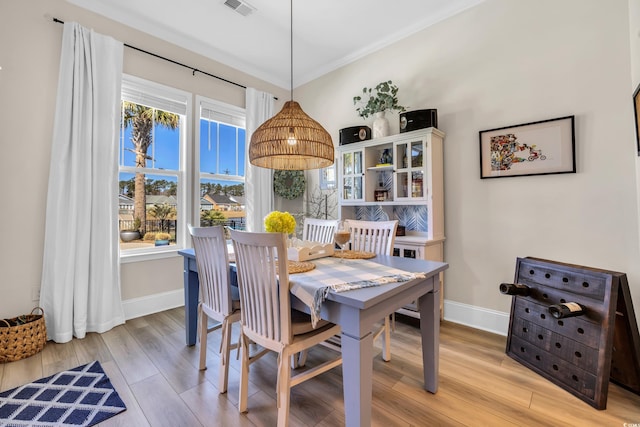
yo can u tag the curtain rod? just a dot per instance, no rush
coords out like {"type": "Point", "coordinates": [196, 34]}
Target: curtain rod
{"type": "Point", "coordinates": [193, 70]}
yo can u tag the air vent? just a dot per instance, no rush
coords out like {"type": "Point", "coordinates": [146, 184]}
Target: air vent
{"type": "Point", "coordinates": [242, 7]}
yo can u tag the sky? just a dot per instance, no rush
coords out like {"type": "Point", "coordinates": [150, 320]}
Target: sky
{"type": "Point", "coordinates": [218, 148]}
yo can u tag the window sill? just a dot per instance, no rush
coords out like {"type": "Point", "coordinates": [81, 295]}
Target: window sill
{"type": "Point", "coordinates": [130, 256]}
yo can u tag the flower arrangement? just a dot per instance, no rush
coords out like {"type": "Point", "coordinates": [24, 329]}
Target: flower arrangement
{"type": "Point", "coordinates": [280, 222]}
{"type": "Point", "coordinates": [381, 98]}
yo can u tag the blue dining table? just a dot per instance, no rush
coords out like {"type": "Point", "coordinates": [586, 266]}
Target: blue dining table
{"type": "Point", "coordinates": [357, 311]}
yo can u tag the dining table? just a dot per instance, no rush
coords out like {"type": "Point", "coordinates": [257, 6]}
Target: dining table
{"type": "Point", "coordinates": [357, 311]}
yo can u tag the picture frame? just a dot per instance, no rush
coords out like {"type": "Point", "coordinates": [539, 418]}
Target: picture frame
{"type": "Point", "coordinates": [328, 177]}
{"type": "Point", "coordinates": [636, 114]}
{"type": "Point", "coordinates": [538, 148]}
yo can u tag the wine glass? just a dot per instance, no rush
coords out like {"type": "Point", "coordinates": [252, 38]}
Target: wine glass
{"type": "Point", "coordinates": [342, 236]}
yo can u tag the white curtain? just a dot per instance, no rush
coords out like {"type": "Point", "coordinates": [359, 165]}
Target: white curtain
{"type": "Point", "coordinates": [258, 184]}
{"type": "Point", "coordinates": [80, 289]}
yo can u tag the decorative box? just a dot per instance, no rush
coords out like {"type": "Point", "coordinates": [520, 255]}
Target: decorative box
{"type": "Point", "coordinates": [301, 250]}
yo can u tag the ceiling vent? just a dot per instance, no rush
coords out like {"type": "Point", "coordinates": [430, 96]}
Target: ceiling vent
{"type": "Point", "coordinates": [242, 7]}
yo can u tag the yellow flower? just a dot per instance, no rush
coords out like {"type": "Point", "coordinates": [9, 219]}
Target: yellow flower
{"type": "Point", "coordinates": [280, 222]}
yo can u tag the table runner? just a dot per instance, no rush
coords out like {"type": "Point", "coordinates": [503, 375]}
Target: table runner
{"type": "Point", "coordinates": [330, 274]}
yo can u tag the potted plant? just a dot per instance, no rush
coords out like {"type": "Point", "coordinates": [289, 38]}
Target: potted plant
{"type": "Point", "coordinates": [376, 102]}
{"type": "Point", "coordinates": [162, 239]}
{"type": "Point", "coordinates": [131, 233]}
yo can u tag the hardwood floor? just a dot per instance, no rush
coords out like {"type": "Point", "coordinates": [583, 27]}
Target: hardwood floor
{"type": "Point", "coordinates": [157, 377]}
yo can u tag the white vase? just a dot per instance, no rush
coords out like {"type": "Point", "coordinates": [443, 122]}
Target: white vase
{"type": "Point", "coordinates": [380, 125]}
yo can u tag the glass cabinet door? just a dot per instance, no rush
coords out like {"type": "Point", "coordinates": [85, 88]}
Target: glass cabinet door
{"type": "Point", "coordinates": [410, 178]}
{"type": "Point", "coordinates": [352, 175]}
{"type": "Point", "coordinates": [417, 151]}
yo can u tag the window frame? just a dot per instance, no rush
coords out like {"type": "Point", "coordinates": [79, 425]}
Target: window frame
{"type": "Point", "coordinates": [166, 98]}
{"type": "Point", "coordinates": [222, 109]}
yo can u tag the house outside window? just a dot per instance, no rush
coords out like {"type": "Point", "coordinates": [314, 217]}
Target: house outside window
{"type": "Point", "coordinates": [221, 137]}
{"type": "Point", "coordinates": [152, 163]}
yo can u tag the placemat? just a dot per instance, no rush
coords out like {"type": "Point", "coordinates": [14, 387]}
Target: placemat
{"type": "Point", "coordinates": [294, 267]}
{"type": "Point", "coordinates": [349, 254]}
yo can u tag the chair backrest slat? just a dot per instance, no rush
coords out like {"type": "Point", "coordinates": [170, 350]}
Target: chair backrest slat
{"type": "Point", "coordinates": [373, 236]}
{"type": "Point", "coordinates": [319, 230]}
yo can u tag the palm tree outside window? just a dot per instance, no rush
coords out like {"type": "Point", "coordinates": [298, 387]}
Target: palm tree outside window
{"type": "Point", "coordinates": [151, 172]}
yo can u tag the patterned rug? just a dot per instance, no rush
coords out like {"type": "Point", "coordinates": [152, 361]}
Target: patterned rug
{"type": "Point", "coordinates": [82, 396]}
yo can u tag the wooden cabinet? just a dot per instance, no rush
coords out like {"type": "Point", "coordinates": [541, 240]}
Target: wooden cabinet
{"type": "Point", "coordinates": [398, 177]}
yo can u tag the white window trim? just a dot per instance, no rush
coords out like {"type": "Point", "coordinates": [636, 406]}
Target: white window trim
{"type": "Point", "coordinates": [180, 102]}
{"type": "Point", "coordinates": [221, 110]}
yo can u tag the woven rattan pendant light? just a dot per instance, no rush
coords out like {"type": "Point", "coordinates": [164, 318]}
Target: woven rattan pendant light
{"type": "Point", "coordinates": [291, 140]}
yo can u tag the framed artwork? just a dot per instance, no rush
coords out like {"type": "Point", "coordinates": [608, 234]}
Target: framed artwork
{"type": "Point", "coordinates": [537, 148]}
{"type": "Point", "coordinates": [328, 177]}
{"type": "Point", "coordinates": [636, 110]}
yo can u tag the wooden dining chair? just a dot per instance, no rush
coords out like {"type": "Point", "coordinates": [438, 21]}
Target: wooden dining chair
{"type": "Point", "coordinates": [315, 230]}
{"type": "Point", "coordinates": [268, 319]}
{"type": "Point", "coordinates": [319, 230]}
{"type": "Point", "coordinates": [376, 237]}
{"type": "Point", "coordinates": [217, 300]}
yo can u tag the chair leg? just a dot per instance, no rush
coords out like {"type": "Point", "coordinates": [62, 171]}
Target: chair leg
{"type": "Point", "coordinates": [283, 390]}
{"type": "Point", "coordinates": [204, 324]}
{"type": "Point", "coordinates": [223, 379]}
{"type": "Point", "coordinates": [302, 357]}
{"type": "Point", "coordinates": [298, 359]}
{"type": "Point", "coordinates": [386, 340]}
{"type": "Point", "coordinates": [244, 374]}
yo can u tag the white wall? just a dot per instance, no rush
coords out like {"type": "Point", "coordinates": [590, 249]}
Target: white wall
{"type": "Point", "coordinates": [30, 57]}
{"type": "Point", "coordinates": [634, 38]}
{"type": "Point", "coordinates": [504, 63]}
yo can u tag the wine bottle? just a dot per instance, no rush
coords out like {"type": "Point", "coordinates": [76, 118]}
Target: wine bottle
{"type": "Point", "coordinates": [566, 309]}
{"type": "Point", "coordinates": [514, 289]}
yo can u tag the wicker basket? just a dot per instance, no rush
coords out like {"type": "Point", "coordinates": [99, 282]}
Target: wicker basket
{"type": "Point", "coordinates": [22, 336]}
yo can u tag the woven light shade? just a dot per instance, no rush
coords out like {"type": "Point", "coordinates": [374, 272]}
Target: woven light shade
{"type": "Point", "coordinates": [291, 140]}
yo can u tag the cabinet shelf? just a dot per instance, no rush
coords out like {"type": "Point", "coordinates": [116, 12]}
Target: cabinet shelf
{"type": "Point", "coordinates": [407, 179]}
{"type": "Point", "coordinates": [380, 168]}
{"type": "Point", "coordinates": [385, 203]}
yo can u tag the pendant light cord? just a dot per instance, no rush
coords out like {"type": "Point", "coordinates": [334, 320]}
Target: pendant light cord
{"type": "Point", "coordinates": [291, 59]}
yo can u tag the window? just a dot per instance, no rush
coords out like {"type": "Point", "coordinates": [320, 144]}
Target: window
{"type": "Point", "coordinates": [152, 162]}
{"type": "Point", "coordinates": [221, 155]}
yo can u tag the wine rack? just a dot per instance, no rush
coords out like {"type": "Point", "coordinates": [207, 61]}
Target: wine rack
{"type": "Point", "coordinates": [580, 354]}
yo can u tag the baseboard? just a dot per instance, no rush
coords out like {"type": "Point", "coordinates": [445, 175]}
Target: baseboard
{"type": "Point", "coordinates": [138, 307]}
{"type": "Point", "coordinates": [485, 319]}
{"type": "Point", "coordinates": [477, 317]}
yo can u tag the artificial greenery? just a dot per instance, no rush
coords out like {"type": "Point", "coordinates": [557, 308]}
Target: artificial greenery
{"type": "Point", "coordinates": [288, 184]}
{"type": "Point", "coordinates": [381, 98]}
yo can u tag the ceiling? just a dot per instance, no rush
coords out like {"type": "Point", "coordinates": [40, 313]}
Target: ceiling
{"type": "Point", "coordinates": [327, 34]}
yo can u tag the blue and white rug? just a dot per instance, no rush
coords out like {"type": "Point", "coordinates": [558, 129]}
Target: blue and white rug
{"type": "Point", "coordinates": [82, 396]}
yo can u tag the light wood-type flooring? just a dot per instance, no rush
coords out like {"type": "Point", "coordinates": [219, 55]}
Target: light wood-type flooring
{"type": "Point", "coordinates": [156, 375]}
